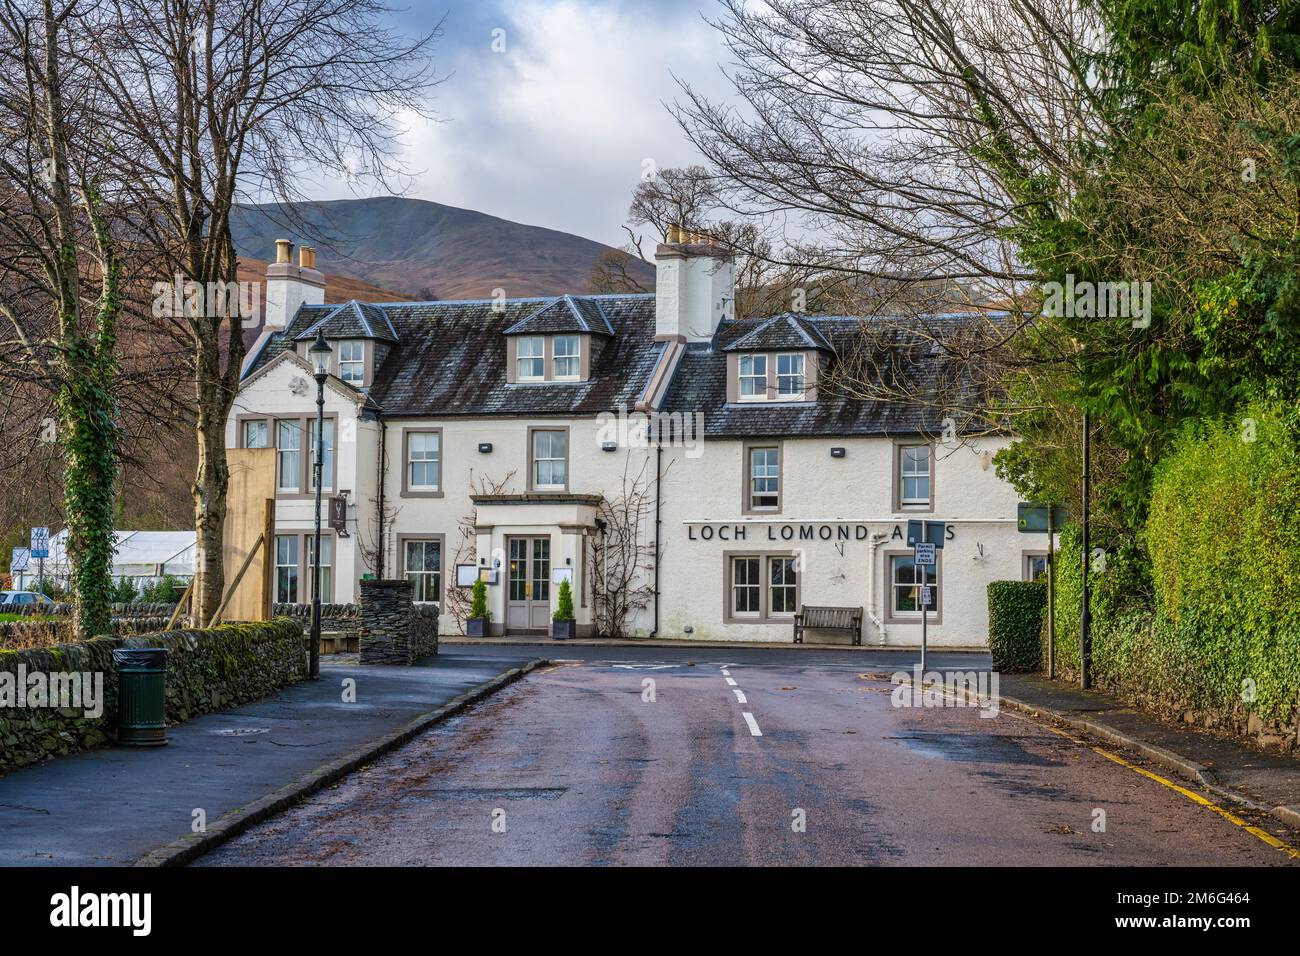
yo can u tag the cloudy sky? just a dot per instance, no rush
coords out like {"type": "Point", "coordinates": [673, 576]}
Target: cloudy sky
{"type": "Point", "coordinates": [554, 130]}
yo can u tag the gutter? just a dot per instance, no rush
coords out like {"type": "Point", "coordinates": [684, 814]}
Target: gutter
{"type": "Point", "coordinates": [381, 549]}
{"type": "Point", "coordinates": [659, 456]}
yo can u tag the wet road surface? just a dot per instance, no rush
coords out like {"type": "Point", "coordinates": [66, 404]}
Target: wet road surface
{"type": "Point", "coordinates": [577, 765]}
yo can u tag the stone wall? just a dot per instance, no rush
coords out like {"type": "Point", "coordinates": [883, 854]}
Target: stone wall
{"type": "Point", "coordinates": [133, 609]}
{"type": "Point", "coordinates": [393, 629]}
{"type": "Point", "coordinates": [36, 632]}
{"type": "Point", "coordinates": [207, 670]}
{"type": "Point", "coordinates": [340, 624]}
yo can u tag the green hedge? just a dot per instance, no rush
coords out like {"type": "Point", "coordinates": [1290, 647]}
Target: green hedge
{"type": "Point", "coordinates": [1016, 611]}
{"type": "Point", "coordinates": [1224, 540]}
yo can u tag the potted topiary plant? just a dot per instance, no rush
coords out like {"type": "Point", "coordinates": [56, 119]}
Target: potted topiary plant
{"type": "Point", "coordinates": [476, 624]}
{"type": "Point", "coordinates": [563, 626]}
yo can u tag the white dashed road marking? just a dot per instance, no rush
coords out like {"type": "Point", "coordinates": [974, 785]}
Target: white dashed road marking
{"type": "Point", "coordinates": [740, 699]}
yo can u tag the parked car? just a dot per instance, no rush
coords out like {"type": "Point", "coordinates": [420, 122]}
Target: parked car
{"type": "Point", "coordinates": [15, 598]}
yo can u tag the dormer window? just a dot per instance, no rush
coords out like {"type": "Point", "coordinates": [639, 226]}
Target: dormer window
{"type": "Point", "coordinates": [560, 357]}
{"type": "Point", "coordinates": [568, 356]}
{"type": "Point", "coordinates": [352, 362]}
{"type": "Point", "coordinates": [789, 376]}
{"type": "Point", "coordinates": [530, 358]}
{"type": "Point", "coordinates": [771, 377]}
{"type": "Point", "coordinates": [753, 378]}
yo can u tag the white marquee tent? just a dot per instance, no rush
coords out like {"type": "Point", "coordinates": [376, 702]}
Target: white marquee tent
{"type": "Point", "coordinates": [142, 557]}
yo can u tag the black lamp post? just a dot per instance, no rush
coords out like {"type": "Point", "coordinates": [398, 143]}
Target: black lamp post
{"type": "Point", "coordinates": [320, 357]}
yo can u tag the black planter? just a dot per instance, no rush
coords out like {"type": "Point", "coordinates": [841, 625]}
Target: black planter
{"type": "Point", "coordinates": [563, 630]}
{"type": "Point", "coordinates": [476, 626]}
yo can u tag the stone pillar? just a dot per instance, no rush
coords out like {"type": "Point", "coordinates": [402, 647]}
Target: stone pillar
{"type": "Point", "coordinates": [392, 629]}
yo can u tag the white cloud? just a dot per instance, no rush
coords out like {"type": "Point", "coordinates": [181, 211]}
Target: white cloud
{"type": "Point", "coordinates": [554, 130]}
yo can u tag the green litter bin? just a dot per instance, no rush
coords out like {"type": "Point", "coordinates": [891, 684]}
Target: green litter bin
{"type": "Point", "coordinates": [141, 696]}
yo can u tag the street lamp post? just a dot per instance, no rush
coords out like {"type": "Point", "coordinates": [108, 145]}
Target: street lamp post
{"type": "Point", "coordinates": [320, 354]}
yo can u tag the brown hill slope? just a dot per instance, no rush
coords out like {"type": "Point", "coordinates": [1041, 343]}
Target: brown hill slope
{"type": "Point", "coordinates": [426, 250]}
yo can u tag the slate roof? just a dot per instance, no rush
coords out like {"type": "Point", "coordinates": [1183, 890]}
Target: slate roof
{"type": "Point", "coordinates": [700, 385]}
{"type": "Point", "coordinates": [449, 358]}
{"type": "Point", "coordinates": [788, 331]}
{"type": "Point", "coordinates": [565, 314]}
{"type": "Point", "coordinates": [352, 320]}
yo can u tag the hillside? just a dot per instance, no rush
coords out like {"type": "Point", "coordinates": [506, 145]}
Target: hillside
{"type": "Point", "coordinates": [425, 250]}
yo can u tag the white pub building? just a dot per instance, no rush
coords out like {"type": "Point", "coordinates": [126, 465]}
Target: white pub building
{"type": "Point", "coordinates": [510, 439]}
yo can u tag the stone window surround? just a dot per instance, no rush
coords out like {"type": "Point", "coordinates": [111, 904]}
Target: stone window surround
{"type": "Point", "coordinates": [935, 615]}
{"type": "Point", "coordinates": [304, 565]}
{"type": "Point", "coordinates": [811, 367]}
{"type": "Point", "coordinates": [746, 486]}
{"type": "Point", "coordinates": [896, 471]}
{"type": "Point", "coordinates": [548, 359]}
{"type": "Point", "coordinates": [406, 536]}
{"type": "Point", "coordinates": [305, 422]}
{"type": "Point", "coordinates": [568, 456]}
{"type": "Point", "coordinates": [764, 615]}
{"type": "Point", "coordinates": [407, 491]}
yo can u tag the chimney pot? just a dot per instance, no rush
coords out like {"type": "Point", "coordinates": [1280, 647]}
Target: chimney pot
{"type": "Point", "coordinates": [283, 250]}
{"type": "Point", "coordinates": [307, 257]}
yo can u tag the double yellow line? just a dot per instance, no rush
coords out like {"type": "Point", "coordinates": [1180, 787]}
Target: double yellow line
{"type": "Point", "coordinates": [1228, 815]}
{"type": "Point", "coordinates": [1196, 798]}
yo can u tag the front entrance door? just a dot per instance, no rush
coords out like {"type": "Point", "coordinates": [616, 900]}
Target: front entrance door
{"type": "Point", "coordinates": [528, 598]}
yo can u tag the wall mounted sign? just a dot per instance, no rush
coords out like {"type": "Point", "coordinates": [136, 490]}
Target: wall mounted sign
{"type": "Point", "coordinates": [339, 513]}
{"type": "Point", "coordinates": [760, 533]}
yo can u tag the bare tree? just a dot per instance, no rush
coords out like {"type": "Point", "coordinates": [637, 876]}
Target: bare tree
{"type": "Point", "coordinates": [58, 213]}
{"type": "Point", "coordinates": [458, 599]}
{"type": "Point", "coordinates": [623, 557]}
{"type": "Point", "coordinates": [898, 136]}
{"type": "Point", "coordinates": [220, 101]}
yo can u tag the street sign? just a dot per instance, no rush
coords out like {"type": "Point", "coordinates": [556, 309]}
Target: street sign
{"type": "Point", "coordinates": [19, 561]}
{"type": "Point", "coordinates": [1032, 518]}
{"type": "Point", "coordinates": [40, 542]}
{"type": "Point", "coordinates": [927, 596]}
{"type": "Point", "coordinates": [928, 531]}
{"type": "Point", "coordinates": [925, 553]}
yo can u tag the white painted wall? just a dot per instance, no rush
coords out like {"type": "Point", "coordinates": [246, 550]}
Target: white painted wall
{"type": "Point", "coordinates": [701, 488]}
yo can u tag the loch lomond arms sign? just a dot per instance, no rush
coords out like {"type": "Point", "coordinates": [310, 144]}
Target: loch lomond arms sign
{"type": "Point", "coordinates": [793, 532]}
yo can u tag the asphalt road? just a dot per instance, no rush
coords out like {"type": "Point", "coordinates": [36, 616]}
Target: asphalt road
{"type": "Point", "coordinates": [576, 766]}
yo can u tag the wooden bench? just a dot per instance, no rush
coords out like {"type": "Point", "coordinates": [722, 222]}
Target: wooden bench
{"type": "Point", "coordinates": [812, 618]}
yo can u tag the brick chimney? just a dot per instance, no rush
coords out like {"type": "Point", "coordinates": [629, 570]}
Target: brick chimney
{"type": "Point", "coordinates": [695, 282]}
{"type": "Point", "coordinates": [289, 286]}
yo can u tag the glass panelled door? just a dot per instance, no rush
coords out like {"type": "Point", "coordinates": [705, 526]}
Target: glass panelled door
{"type": "Point", "coordinates": [528, 584]}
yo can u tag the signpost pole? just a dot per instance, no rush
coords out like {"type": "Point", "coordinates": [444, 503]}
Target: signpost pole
{"type": "Point", "coordinates": [1051, 597]}
{"type": "Point", "coordinates": [1085, 614]}
{"type": "Point", "coordinates": [924, 602]}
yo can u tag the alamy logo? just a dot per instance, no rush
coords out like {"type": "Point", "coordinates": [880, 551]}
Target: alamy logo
{"type": "Point", "coordinates": [185, 298]}
{"type": "Point", "coordinates": [103, 909]}
{"type": "Point", "coordinates": [76, 690]}
{"type": "Point", "coordinates": [643, 430]}
{"type": "Point", "coordinates": [1100, 300]}
{"type": "Point", "coordinates": [947, 689]}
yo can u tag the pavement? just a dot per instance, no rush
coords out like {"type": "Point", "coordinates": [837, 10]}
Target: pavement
{"type": "Point", "coordinates": [113, 805]}
{"type": "Point", "coordinates": [698, 758]}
